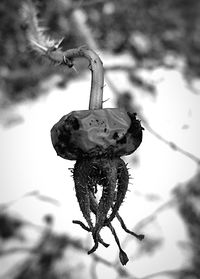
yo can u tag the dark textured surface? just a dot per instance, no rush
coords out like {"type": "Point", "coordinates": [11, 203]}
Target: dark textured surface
{"type": "Point", "coordinates": [112, 175]}
{"type": "Point", "coordinates": [105, 132]}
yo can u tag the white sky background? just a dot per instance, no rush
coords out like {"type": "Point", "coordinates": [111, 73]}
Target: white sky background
{"type": "Point", "coordinates": [28, 162]}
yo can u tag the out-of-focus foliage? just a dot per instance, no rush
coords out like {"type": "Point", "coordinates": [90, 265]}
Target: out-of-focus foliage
{"type": "Point", "coordinates": [45, 258]}
{"type": "Point", "coordinates": [149, 30]}
{"type": "Point", "coordinates": [20, 69]}
{"type": "Point", "coordinates": [189, 201]}
{"type": "Point", "coordinates": [9, 227]}
{"type": "Point", "coordinates": [42, 260]}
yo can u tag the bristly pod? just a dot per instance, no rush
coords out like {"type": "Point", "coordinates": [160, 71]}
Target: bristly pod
{"type": "Point", "coordinates": [96, 138]}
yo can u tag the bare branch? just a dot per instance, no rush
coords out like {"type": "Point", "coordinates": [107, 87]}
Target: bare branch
{"type": "Point", "coordinates": [35, 194]}
{"type": "Point", "coordinates": [142, 223]}
{"type": "Point", "coordinates": [171, 144]}
{"type": "Point", "coordinates": [151, 217]}
{"type": "Point", "coordinates": [120, 68]}
{"type": "Point", "coordinates": [15, 250]}
{"type": "Point", "coordinates": [91, 3]}
{"type": "Point", "coordinates": [93, 270]}
{"type": "Point", "coordinates": [173, 273]}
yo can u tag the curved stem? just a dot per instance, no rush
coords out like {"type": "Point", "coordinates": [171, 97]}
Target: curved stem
{"type": "Point", "coordinates": [52, 50]}
{"type": "Point", "coordinates": [95, 65]}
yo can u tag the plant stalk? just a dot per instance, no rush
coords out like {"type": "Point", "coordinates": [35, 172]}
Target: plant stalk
{"type": "Point", "coordinates": [95, 66]}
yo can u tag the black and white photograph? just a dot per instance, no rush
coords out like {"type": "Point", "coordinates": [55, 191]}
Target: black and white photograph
{"type": "Point", "coordinates": [99, 139]}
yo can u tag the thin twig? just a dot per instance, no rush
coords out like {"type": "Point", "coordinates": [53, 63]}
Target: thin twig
{"type": "Point", "coordinates": [15, 250]}
{"type": "Point", "coordinates": [171, 144]}
{"type": "Point", "coordinates": [93, 271]}
{"type": "Point", "coordinates": [120, 68]}
{"type": "Point", "coordinates": [83, 3]}
{"type": "Point", "coordinates": [151, 217]}
{"type": "Point", "coordinates": [34, 193]}
{"type": "Point", "coordinates": [164, 272]}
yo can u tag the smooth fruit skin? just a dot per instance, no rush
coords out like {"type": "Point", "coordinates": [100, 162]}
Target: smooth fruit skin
{"type": "Point", "coordinates": [109, 132]}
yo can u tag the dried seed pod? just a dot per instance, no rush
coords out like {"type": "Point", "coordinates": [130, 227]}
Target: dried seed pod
{"type": "Point", "coordinates": [109, 132]}
{"type": "Point", "coordinates": [96, 138]}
